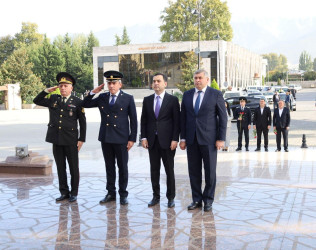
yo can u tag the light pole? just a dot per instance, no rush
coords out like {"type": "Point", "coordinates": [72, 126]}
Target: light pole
{"type": "Point", "coordinates": [198, 12]}
{"type": "Point", "coordinates": [217, 37]}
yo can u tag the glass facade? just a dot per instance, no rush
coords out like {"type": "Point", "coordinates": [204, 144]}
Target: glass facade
{"type": "Point", "coordinates": [138, 69]}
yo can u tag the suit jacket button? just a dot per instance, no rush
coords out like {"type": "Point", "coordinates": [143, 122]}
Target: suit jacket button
{"type": "Point", "coordinates": [102, 107]}
{"type": "Point", "coordinates": [114, 125]}
{"type": "Point", "coordinates": [107, 124]}
{"type": "Point", "coordinates": [121, 108]}
{"type": "Point", "coordinates": [61, 115]}
{"type": "Point", "coordinates": [59, 121]}
{"type": "Point", "coordinates": [115, 116]}
{"type": "Point", "coordinates": [108, 116]}
{"type": "Point", "coordinates": [61, 110]}
{"type": "Point", "coordinates": [59, 127]}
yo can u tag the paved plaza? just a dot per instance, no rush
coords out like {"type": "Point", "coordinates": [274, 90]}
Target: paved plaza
{"type": "Point", "coordinates": [263, 200]}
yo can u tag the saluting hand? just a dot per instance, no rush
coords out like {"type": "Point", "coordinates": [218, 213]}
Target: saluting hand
{"type": "Point", "coordinates": [98, 89]}
{"type": "Point", "coordinates": [52, 89]}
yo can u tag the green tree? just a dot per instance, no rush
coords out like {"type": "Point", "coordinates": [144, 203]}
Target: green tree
{"type": "Point", "coordinates": [17, 68]}
{"type": "Point", "coordinates": [180, 24]}
{"type": "Point", "coordinates": [214, 85]}
{"type": "Point", "coordinates": [188, 67]}
{"type": "Point", "coordinates": [124, 39]}
{"type": "Point", "coordinates": [305, 62]}
{"type": "Point", "coordinates": [310, 76]}
{"type": "Point", "coordinates": [276, 62]}
{"type": "Point", "coordinates": [6, 47]}
{"type": "Point", "coordinates": [48, 62]}
{"type": "Point", "coordinates": [88, 51]}
{"type": "Point", "coordinates": [314, 64]}
{"type": "Point", "coordinates": [28, 35]}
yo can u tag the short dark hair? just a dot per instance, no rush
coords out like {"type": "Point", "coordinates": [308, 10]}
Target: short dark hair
{"type": "Point", "coordinates": [165, 78]}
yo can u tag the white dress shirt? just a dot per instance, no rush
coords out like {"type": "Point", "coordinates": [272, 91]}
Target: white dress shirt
{"type": "Point", "coordinates": [280, 112]}
{"type": "Point", "coordinates": [196, 95]}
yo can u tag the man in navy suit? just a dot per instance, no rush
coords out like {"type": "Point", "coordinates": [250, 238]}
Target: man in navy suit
{"type": "Point", "coordinates": [281, 123]}
{"type": "Point", "coordinates": [160, 128]}
{"type": "Point", "coordinates": [118, 131]}
{"type": "Point", "coordinates": [203, 132]}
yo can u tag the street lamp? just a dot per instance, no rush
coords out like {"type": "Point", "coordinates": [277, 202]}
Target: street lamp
{"type": "Point", "coordinates": [217, 37]}
{"type": "Point", "coordinates": [198, 12]}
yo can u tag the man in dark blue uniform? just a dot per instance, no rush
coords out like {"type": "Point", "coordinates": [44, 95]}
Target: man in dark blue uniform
{"type": "Point", "coordinates": [65, 111]}
{"type": "Point", "coordinates": [243, 116]}
{"type": "Point", "coordinates": [118, 131]}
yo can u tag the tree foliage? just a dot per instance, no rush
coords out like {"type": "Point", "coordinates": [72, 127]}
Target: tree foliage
{"type": "Point", "coordinates": [276, 62]}
{"type": "Point", "coordinates": [188, 67]}
{"type": "Point", "coordinates": [6, 47]}
{"type": "Point", "coordinates": [314, 64]}
{"type": "Point", "coordinates": [214, 85]}
{"type": "Point", "coordinates": [28, 35]}
{"type": "Point", "coordinates": [310, 76]}
{"type": "Point", "coordinates": [18, 69]}
{"type": "Point", "coordinates": [180, 24]}
{"type": "Point", "coordinates": [305, 62]}
{"type": "Point", "coordinates": [124, 39]}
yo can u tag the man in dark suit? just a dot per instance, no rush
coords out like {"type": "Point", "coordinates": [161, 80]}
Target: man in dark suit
{"type": "Point", "coordinates": [281, 123]}
{"type": "Point", "coordinates": [262, 123]}
{"type": "Point", "coordinates": [203, 131]}
{"type": "Point", "coordinates": [117, 133]}
{"type": "Point", "coordinates": [65, 111]}
{"type": "Point", "coordinates": [160, 128]}
{"type": "Point", "coordinates": [243, 116]}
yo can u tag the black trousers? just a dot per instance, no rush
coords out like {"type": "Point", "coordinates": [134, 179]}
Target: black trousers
{"type": "Point", "coordinates": [196, 154]}
{"type": "Point", "coordinates": [284, 132]}
{"type": "Point", "coordinates": [244, 130]}
{"type": "Point", "coordinates": [156, 154]}
{"type": "Point", "coordinates": [116, 152]}
{"type": "Point", "coordinates": [69, 152]}
{"type": "Point", "coordinates": [265, 132]}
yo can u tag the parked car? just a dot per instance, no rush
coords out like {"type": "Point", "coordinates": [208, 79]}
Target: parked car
{"type": "Point", "coordinates": [266, 88]}
{"type": "Point", "coordinates": [228, 94]}
{"type": "Point", "coordinates": [269, 96]}
{"type": "Point", "coordinates": [252, 103]}
{"type": "Point", "coordinates": [254, 94]}
{"type": "Point", "coordinates": [254, 88]}
{"type": "Point", "coordinates": [283, 95]}
{"type": "Point", "coordinates": [297, 87]}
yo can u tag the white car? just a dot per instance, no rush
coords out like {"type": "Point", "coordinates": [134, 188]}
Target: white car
{"type": "Point", "coordinates": [268, 95]}
{"type": "Point", "coordinates": [229, 94]}
{"type": "Point", "coordinates": [297, 87]}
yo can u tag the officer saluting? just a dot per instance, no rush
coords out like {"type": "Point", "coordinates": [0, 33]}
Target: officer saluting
{"type": "Point", "coordinates": [243, 116]}
{"type": "Point", "coordinates": [65, 111]}
{"type": "Point", "coordinates": [118, 131]}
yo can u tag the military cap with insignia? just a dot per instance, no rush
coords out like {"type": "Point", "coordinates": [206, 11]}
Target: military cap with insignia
{"type": "Point", "coordinates": [113, 75]}
{"type": "Point", "coordinates": [64, 77]}
{"type": "Point", "coordinates": [242, 98]}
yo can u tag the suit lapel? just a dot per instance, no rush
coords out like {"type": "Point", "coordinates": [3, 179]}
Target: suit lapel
{"type": "Point", "coordinates": [118, 99]}
{"type": "Point", "coordinates": [206, 97]}
{"type": "Point", "coordinates": [151, 105]}
{"type": "Point", "coordinates": [190, 99]}
{"type": "Point", "coordinates": [164, 104]}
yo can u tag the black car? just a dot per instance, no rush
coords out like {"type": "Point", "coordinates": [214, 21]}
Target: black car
{"type": "Point", "coordinates": [252, 103]}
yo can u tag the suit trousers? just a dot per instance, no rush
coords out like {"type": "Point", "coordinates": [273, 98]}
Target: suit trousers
{"type": "Point", "coordinates": [284, 132]}
{"type": "Point", "coordinates": [244, 130]}
{"type": "Point", "coordinates": [116, 152]}
{"type": "Point", "coordinates": [69, 152]}
{"type": "Point", "coordinates": [196, 154]}
{"type": "Point", "coordinates": [156, 154]}
{"type": "Point", "coordinates": [265, 132]}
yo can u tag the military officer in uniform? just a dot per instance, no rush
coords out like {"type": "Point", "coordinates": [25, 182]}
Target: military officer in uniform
{"type": "Point", "coordinates": [65, 111]}
{"type": "Point", "coordinates": [117, 133]}
{"type": "Point", "coordinates": [243, 116]}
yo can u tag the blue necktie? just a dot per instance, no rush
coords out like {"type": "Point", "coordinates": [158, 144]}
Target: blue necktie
{"type": "Point", "coordinates": [112, 102]}
{"type": "Point", "coordinates": [157, 108]}
{"type": "Point", "coordinates": [197, 103]}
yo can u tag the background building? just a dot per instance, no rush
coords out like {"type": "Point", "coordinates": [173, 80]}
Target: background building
{"type": "Point", "coordinates": [227, 63]}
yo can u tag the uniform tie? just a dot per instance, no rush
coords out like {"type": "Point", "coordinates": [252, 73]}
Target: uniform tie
{"type": "Point", "coordinates": [197, 103]}
{"type": "Point", "coordinates": [64, 99]}
{"type": "Point", "coordinates": [157, 108]}
{"type": "Point", "coordinates": [112, 102]}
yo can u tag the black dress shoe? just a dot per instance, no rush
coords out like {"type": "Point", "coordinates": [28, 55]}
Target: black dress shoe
{"type": "Point", "coordinates": [238, 149]}
{"type": "Point", "coordinates": [72, 198]}
{"type": "Point", "coordinates": [257, 149]}
{"type": "Point", "coordinates": [247, 149]}
{"type": "Point", "coordinates": [277, 150]}
{"type": "Point", "coordinates": [171, 203]}
{"type": "Point", "coordinates": [123, 201]}
{"type": "Point", "coordinates": [62, 197]}
{"type": "Point", "coordinates": [108, 198]}
{"type": "Point", "coordinates": [266, 149]}
{"type": "Point", "coordinates": [194, 205]}
{"type": "Point", "coordinates": [207, 206]}
{"type": "Point", "coordinates": [286, 150]}
{"type": "Point", "coordinates": [154, 202]}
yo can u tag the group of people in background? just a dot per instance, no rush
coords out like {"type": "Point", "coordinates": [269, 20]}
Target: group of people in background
{"type": "Point", "coordinates": [262, 120]}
